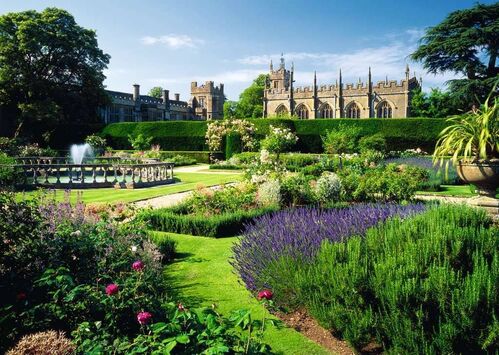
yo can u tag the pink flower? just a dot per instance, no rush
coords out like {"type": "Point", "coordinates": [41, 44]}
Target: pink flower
{"type": "Point", "coordinates": [138, 265]}
{"type": "Point", "coordinates": [144, 317]}
{"type": "Point", "coordinates": [265, 294]}
{"type": "Point", "coordinates": [181, 307]}
{"type": "Point", "coordinates": [112, 289]}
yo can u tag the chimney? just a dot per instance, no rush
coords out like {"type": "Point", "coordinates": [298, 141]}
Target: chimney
{"type": "Point", "coordinates": [165, 96]}
{"type": "Point", "coordinates": [177, 97]}
{"type": "Point", "coordinates": [194, 84]}
{"type": "Point", "coordinates": [136, 92]}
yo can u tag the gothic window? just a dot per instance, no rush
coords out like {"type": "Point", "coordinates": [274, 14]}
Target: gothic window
{"type": "Point", "coordinates": [353, 111]}
{"type": "Point", "coordinates": [302, 112]}
{"type": "Point", "coordinates": [384, 110]}
{"type": "Point", "coordinates": [281, 111]}
{"type": "Point", "coordinates": [276, 84]}
{"type": "Point", "coordinates": [325, 111]}
{"type": "Point", "coordinates": [201, 102]}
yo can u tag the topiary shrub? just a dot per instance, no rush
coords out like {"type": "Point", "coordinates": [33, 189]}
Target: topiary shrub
{"type": "Point", "coordinates": [375, 142]}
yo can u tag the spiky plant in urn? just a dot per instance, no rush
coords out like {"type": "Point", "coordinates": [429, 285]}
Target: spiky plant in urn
{"type": "Point", "coordinates": [472, 142]}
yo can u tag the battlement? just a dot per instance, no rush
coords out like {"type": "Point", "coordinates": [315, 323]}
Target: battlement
{"type": "Point", "coordinates": [207, 88]}
{"type": "Point", "coordinates": [392, 84]}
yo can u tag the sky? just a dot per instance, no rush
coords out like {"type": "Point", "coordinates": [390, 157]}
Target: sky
{"type": "Point", "coordinates": [171, 43]}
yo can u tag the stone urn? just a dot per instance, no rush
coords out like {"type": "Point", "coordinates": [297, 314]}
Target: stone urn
{"type": "Point", "coordinates": [485, 176]}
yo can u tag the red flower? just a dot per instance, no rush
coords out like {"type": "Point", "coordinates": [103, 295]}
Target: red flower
{"type": "Point", "coordinates": [21, 296]}
{"type": "Point", "coordinates": [144, 317]}
{"type": "Point", "coordinates": [112, 289]}
{"type": "Point", "coordinates": [265, 294]}
{"type": "Point", "coordinates": [138, 265]}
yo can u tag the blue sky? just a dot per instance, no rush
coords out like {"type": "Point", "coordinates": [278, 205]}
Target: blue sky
{"type": "Point", "coordinates": [171, 43]}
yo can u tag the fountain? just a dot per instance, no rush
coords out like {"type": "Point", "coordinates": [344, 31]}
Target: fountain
{"type": "Point", "coordinates": [78, 153]}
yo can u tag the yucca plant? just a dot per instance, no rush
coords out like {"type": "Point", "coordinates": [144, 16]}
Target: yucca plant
{"type": "Point", "coordinates": [471, 137]}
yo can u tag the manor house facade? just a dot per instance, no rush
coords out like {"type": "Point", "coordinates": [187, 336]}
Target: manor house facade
{"type": "Point", "coordinates": [206, 103]}
{"type": "Point", "coordinates": [386, 99]}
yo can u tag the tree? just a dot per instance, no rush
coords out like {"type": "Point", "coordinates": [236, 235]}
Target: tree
{"type": "Point", "coordinates": [465, 43]}
{"type": "Point", "coordinates": [436, 104]}
{"type": "Point", "coordinates": [51, 69]}
{"type": "Point", "coordinates": [250, 102]}
{"type": "Point", "coordinates": [156, 92]}
{"type": "Point", "coordinates": [230, 108]}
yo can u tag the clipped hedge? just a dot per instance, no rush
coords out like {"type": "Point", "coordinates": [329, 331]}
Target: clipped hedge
{"type": "Point", "coordinates": [215, 226]}
{"type": "Point", "coordinates": [400, 133]}
{"type": "Point", "coordinates": [199, 156]}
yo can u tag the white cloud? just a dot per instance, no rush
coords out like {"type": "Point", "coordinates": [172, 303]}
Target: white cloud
{"type": "Point", "coordinates": [174, 41]}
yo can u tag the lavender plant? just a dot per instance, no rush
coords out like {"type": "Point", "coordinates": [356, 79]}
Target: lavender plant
{"type": "Point", "coordinates": [298, 233]}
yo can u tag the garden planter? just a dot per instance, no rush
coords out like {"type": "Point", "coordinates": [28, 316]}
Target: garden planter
{"type": "Point", "coordinates": [485, 176]}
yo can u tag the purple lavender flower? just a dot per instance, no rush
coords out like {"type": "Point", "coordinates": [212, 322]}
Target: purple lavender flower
{"type": "Point", "coordinates": [298, 233]}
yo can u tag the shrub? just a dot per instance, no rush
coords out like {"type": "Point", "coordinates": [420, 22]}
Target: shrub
{"type": "Point", "coordinates": [97, 143]}
{"type": "Point", "coordinates": [233, 145]}
{"type": "Point", "coordinates": [375, 142]}
{"type": "Point", "coordinates": [8, 175]}
{"type": "Point", "coordinates": [166, 245]}
{"type": "Point", "coordinates": [9, 146]}
{"type": "Point", "coordinates": [342, 140]}
{"type": "Point", "coordinates": [30, 150]}
{"type": "Point", "coordinates": [297, 235]}
{"type": "Point", "coordinates": [216, 226]}
{"type": "Point", "coordinates": [49, 342]}
{"type": "Point", "coordinates": [279, 140]}
{"type": "Point", "coordinates": [296, 190]}
{"type": "Point", "coordinates": [328, 187]}
{"type": "Point", "coordinates": [442, 293]}
{"type": "Point", "coordinates": [140, 141]}
{"type": "Point", "coordinates": [269, 193]}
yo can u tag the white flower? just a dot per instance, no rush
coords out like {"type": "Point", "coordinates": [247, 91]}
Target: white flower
{"type": "Point", "coordinates": [76, 233]}
{"type": "Point", "coordinates": [134, 248]}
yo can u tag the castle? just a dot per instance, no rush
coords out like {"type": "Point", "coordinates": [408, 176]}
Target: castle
{"type": "Point", "coordinates": [386, 99]}
{"type": "Point", "coordinates": [206, 103]}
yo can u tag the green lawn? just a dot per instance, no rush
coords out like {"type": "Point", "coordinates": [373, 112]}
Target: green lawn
{"type": "Point", "coordinates": [451, 190]}
{"type": "Point", "coordinates": [203, 276]}
{"type": "Point", "coordinates": [188, 181]}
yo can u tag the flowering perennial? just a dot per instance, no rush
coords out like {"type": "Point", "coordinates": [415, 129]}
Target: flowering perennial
{"type": "Point", "coordinates": [219, 129]}
{"type": "Point", "coordinates": [298, 234]}
{"type": "Point", "coordinates": [144, 317]}
{"type": "Point", "coordinates": [112, 289]}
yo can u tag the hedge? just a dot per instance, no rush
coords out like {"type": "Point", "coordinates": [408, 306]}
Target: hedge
{"type": "Point", "coordinates": [400, 133]}
{"type": "Point", "coordinates": [200, 156]}
{"type": "Point", "coordinates": [216, 226]}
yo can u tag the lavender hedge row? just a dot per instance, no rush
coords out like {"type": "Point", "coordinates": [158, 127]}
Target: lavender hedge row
{"type": "Point", "coordinates": [298, 234]}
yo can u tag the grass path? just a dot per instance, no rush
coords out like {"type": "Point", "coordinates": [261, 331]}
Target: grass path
{"type": "Point", "coordinates": [188, 181]}
{"type": "Point", "coordinates": [203, 276]}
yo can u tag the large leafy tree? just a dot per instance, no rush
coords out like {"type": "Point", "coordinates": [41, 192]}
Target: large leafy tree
{"type": "Point", "coordinates": [51, 69]}
{"type": "Point", "coordinates": [435, 104]}
{"type": "Point", "coordinates": [156, 91]}
{"type": "Point", "coordinates": [250, 102]}
{"type": "Point", "coordinates": [466, 43]}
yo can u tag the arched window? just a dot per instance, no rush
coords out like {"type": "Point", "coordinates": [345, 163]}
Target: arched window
{"type": "Point", "coordinates": [353, 110]}
{"type": "Point", "coordinates": [325, 111]}
{"type": "Point", "coordinates": [302, 111]}
{"type": "Point", "coordinates": [281, 111]}
{"type": "Point", "coordinates": [384, 110]}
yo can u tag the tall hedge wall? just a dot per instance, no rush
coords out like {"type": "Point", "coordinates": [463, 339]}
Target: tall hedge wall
{"type": "Point", "coordinates": [400, 133]}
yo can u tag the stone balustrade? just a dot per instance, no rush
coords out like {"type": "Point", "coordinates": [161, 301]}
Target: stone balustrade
{"type": "Point", "coordinates": [111, 172]}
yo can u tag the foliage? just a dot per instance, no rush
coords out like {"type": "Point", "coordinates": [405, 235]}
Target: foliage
{"type": "Point", "coordinates": [297, 234]}
{"type": "Point", "coordinates": [437, 103]}
{"type": "Point", "coordinates": [230, 109]}
{"type": "Point", "coordinates": [442, 293]}
{"type": "Point", "coordinates": [473, 136]}
{"type": "Point", "coordinates": [269, 193]}
{"type": "Point", "coordinates": [375, 142]}
{"type": "Point", "coordinates": [342, 140]}
{"type": "Point", "coordinates": [51, 69]}
{"type": "Point", "coordinates": [279, 140]}
{"type": "Point", "coordinates": [216, 130]}
{"type": "Point", "coordinates": [156, 91]}
{"type": "Point", "coordinates": [140, 142]}
{"type": "Point", "coordinates": [49, 342]}
{"type": "Point", "coordinates": [328, 187]}
{"type": "Point", "coordinates": [9, 146]}
{"type": "Point", "coordinates": [400, 134]}
{"type": "Point", "coordinates": [215, 226]}
{"type": "Point", "coordinates": [296, 190]}
{"type": "Point", "coordinates": [166, 245]}
{"type": "Point", "coordinates": [250, 102]}
{"type": "Point", "coordinates": [233, 145]}
{"type": "Point", "coordinates": [97, 143]}
{"type": "Point", "coordinates": [464, 43]}
{"type": "Point", "coordinates": [8, 174]}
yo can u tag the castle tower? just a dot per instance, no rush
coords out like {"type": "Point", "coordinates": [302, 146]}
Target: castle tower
{"type": "Point", "coordinates": [280, 78]}
{"type": "Point", "coordinates": [207, 100]}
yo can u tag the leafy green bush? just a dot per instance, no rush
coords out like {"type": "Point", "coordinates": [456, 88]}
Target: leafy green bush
{"type": "Point", "coordinates": [97, 143]}
{"type": "Point", "coordinates": [296, 191]}
{"type": "Point", "coordinates": [166, 245]}
{"type": "Point", "coordinates": [424, 285]}
{"type": "Point", "coordinates": [233, 145]}
{"type": "Point", "coordinates": [140, 141]}
{"type": "Point", "coordinates": [328, 187]}
{"type": "Point", "coordinates": [344, 139]}
{"type": "Point", "coordinates": [216, 226]}
{"type": "Point", "coordinates": [9, 146]}
{"type": "Point", "coordinates": [376, 142]}
{"type": "Point", "coordinates": [8, 174]}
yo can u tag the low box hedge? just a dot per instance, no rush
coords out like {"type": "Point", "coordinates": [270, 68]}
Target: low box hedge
{"type": "Point", "coordinates": [215, 226]}
{"type": "Point", "coordinates": [400, 133]}
{"type": "Point", "coordinates": [200, 156]}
